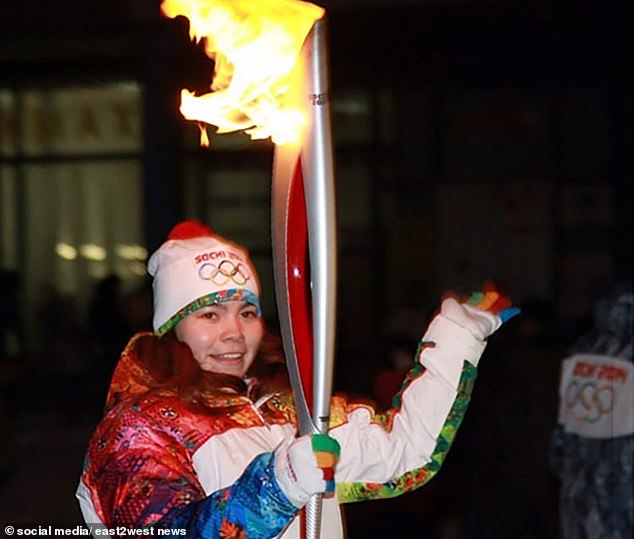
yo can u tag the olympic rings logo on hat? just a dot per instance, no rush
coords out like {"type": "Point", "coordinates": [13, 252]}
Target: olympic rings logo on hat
{"type": "Point", "coordinates": [587, 402]}
{"type": "Point", "coordinates": [224, 272]}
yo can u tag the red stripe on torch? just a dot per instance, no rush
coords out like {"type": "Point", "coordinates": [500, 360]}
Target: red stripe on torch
{"type": "Point", "coordinates": [298, 275]}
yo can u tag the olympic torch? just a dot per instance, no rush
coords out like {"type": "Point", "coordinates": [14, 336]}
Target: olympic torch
{"type": "Point", "coordinates": [305, 251]}
{"type": "Point", "coordinates": [271, 80]}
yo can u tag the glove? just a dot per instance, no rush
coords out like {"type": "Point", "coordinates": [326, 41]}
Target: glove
{"type": "Point", "coordinates": [482, 314]}
{"type": "Point", "coordinates": [305, 466]}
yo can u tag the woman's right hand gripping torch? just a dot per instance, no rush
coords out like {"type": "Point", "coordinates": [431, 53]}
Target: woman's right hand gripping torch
{"type": "Point", "coordinates": [305, 466]}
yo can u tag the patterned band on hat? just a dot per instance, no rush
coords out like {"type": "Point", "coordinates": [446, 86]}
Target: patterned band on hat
{"type": "Point", "coordinates": [234, 294]}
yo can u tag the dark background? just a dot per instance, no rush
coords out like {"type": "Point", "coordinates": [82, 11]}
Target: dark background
{"type": "Point", "coordinates": [496, 482]}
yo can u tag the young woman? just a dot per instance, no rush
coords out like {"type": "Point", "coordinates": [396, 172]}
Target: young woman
{"type": "Point", "coordinates": [199, 433]}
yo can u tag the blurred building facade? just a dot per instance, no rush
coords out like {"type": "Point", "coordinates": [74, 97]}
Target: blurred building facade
{"type": "Point", "coordinates": [473, 141]}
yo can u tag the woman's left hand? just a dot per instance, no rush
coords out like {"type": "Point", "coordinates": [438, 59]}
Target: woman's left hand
{"type": "Point", "coordinates": [482, 314]}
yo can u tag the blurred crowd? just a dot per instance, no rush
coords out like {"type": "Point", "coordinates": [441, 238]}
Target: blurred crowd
{"type": "Point", "coordinates": [64, 375]}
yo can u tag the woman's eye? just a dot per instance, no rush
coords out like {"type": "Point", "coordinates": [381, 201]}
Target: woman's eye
{"type": "Point", "coordinates": [249, 313]}
{"type": "Point", "coordinates": [209, 315]}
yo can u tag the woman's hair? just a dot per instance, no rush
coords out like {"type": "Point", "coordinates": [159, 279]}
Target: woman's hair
{"type": "Point", "coordinates": [172, 365]}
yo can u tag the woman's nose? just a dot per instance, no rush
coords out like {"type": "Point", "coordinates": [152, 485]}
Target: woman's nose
{"type": "Point", "coordinates": [232, 328]}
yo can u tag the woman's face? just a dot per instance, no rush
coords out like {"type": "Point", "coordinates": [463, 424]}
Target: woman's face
{"type": "Point", "coordinates": [224, 338]}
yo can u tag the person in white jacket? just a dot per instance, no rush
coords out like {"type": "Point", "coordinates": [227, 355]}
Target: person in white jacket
{"type": "Point", "coordinates": [200, 437]}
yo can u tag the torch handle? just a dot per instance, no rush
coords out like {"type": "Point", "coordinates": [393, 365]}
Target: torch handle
{"type": "Point", "coordinates": [312, 516]}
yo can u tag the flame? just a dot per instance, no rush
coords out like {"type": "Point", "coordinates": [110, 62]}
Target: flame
{"type": "Point", "coordinates": [255, 45]}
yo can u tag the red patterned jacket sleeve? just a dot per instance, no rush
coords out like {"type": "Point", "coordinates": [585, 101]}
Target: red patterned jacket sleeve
{"type": "Point", "coordinates": [136, 473]}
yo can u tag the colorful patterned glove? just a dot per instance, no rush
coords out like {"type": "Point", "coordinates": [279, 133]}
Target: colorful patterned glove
{"type": "Point", "coordinates": [305, 466]}
{"type": "Point", "coordinates": [482, 314]}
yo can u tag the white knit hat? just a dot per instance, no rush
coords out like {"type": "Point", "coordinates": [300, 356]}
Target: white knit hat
{"type": "Point", "coordinates": [195, 267]}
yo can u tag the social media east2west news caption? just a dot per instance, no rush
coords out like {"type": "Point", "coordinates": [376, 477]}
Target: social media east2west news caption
{"type": "Point", "coordinates": [87, 530]}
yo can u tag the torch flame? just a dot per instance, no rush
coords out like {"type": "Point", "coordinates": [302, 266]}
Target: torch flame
{"type": "Point", "coordinates": [255, 45]}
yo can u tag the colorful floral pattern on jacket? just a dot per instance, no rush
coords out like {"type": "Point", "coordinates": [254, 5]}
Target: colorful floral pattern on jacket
{"type": "Point", "coordinates": [139, 466]}
{"type": "Point", "coordinates": [140, 458]}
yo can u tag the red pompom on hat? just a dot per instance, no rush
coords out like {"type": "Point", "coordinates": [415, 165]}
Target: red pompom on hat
{"type": "Point", "coordinates": [187, 230]}
{"type": "Point", "coordinates": [196, 267]}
